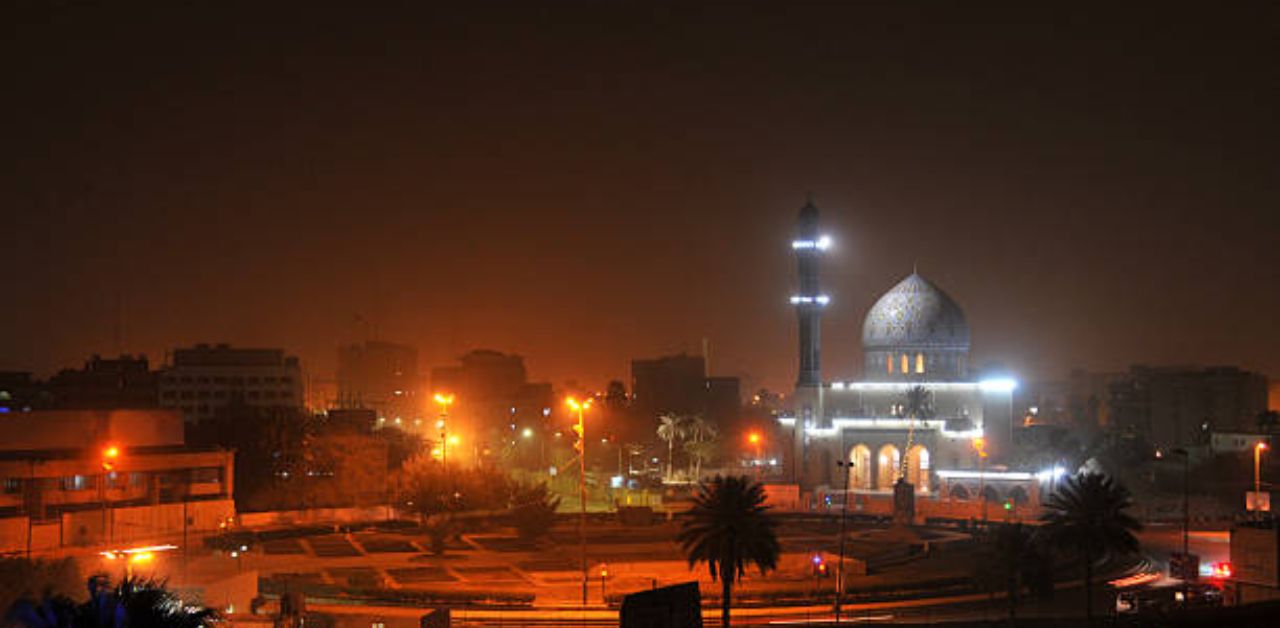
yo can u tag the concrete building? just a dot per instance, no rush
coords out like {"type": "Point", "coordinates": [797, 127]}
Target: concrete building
{"type": "Point", "coordinates": [914, 337]}
{"type": "Point", "coordinates": [679, 384]}
{"type": "Point", "coordinates": [126, 382]}
{"type": "Point", "coordinates": [201, 380]}
{"type": "Point", "coordinates": [95, 477]}
{"type": "Point", "coordinates": [1179, 405]}
{"type": "Point", "coordinates": [383, 377]}
{"type": "Point", "coordinates": [494, 401]}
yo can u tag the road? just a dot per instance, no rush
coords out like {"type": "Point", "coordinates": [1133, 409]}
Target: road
{"type": "Point", "coordinates": [1161, 541]}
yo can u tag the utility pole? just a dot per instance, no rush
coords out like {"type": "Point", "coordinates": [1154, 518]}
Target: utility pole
{"type": "Point", "coordinates": [581, 446]}
{"type": "Point", "coordinates": [846, 466]}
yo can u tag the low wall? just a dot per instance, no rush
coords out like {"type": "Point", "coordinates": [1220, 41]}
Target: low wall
{"type": "Point", "coordinates": [317, 516]}
{"type": "Point", "coordinates": [133, 525]}
{"type": "Point", "coordinates": [931, 508]}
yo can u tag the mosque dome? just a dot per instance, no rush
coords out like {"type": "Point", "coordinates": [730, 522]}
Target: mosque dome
{"type": "Point", "coordinates": [915, 314]}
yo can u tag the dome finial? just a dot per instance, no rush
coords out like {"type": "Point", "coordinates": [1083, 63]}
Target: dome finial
{"type": "Point", "coordinates": [915, 267]}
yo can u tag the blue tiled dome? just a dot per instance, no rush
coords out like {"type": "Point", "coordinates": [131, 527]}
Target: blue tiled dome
{"type": "Point", "coordinates": [915, 314]}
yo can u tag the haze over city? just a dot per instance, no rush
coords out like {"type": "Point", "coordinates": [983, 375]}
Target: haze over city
{"type": "Point", "coordinates": [639, 314]}
{"type": "Point", "coordinates": [585, 185]}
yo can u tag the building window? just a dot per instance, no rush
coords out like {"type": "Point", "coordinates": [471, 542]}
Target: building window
{"type": "Point", "coordinates": [135, 479]}
{"type": "Point", "coordinates": [888, 364]}
{"type": "Point", "coordinates": [906, 366]}
{"type": "Point", "coordinates": [75, 483]}
{"type": "Point", "coordinates": [919, 362]}
{"type": "Point", "coordinates": [206, 475]}
{"type": "Point", "coordinates": [12, 485]}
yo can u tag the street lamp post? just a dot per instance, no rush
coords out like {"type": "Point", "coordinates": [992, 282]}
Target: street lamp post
{"type": "Point", "coordinates": [442, 424]}
{"type": "Point", "coordinates": [110, 455]}
{"type": "Point", "coordinates": [846, 466]}
{"type": "Point", "coordinates": [755, 439]}
{"type": "Point", "coordinates": [980, 445]}
{"type": "Point", "coordinates": [1257, 478]}
{"type": "Point", "coordinates": [581, 428]}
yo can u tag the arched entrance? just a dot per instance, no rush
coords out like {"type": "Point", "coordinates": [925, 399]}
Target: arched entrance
{"type": "Point", "coordinates": [887, 466]}
{"type": "Point", "coordinates": [860, 467]}
{"type": "Point", "coordinates": [918, 468]}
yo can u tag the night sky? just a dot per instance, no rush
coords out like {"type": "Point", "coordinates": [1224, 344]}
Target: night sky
{"type": "Point", "coordinates": [584, 184]}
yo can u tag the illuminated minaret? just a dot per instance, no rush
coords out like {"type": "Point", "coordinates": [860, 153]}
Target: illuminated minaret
{"type": "Point", "coordinates": [808, 247]}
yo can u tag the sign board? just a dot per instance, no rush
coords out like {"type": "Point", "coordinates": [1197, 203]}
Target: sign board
{"type": "Point", "coordinates": [677, 606]}
{"type": "Point", "coordinates": [1260, 502]}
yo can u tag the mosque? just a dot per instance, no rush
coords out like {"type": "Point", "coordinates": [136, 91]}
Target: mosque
{"type": "Point", "coordinates": [919, 412]}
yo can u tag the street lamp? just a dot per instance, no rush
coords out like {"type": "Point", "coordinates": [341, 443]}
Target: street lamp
{"type": "Point", "coordinates": [846, 467]}
{"type": "Point", "coordinates": [980, 446]}
{"type": "Point", "coordinates": [581, 446]}
{"type": "Point", "coordinates": [110, 457]}
{"type": "Point", "coordinates": [755, 439]}
{"type": "Point", "coordinates": [442, 424]}
{"type": "Point", "coordinates": [1257, 477]}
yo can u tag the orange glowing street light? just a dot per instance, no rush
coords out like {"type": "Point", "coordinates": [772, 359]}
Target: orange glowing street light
{"type": "Point", "coordinates": [1257, 475]}
{"type": "Point", "coordinates": [581, 408]}
{"type": "Point", "coordinates": [756, 440]}
{"type": "Point", "coordinates": [445, 400]}
{"type": "Point", "coordinates": [110, 455]}
{"type": "Point", "coordinates": [980, 445]}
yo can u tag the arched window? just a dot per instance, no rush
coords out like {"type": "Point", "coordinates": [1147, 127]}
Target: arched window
{"type": "Point", "coordinates": [919, 362]}
{"type": "Point", "coordinates": [888, 363]}
{"type": "Point", "coordinates": [906, 365]}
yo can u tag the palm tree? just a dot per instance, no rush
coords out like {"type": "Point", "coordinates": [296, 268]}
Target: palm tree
{"type": "Point", "coordinates": [134, 602]}
{"type": "Point", "coordinates": [670, 428]}
{"type": "Point", "coordinates": [728, 528]}
{"type": "Point", "coordinates": [1086, 518]}
{"type": "Point", "coordinates": [700, 445]}
{"type": "Point", "coordinates": [917, 404]}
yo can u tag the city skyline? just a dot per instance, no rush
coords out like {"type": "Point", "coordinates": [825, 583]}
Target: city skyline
{"type": "Point", "coordinates": [586, 187]}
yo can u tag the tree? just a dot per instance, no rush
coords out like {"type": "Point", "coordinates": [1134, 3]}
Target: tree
{"type": "Point", "coordinates": [134, 602]}
{"type": "Point", "coordinates": [730, 528]}
{"type": "Point", "coordinates": [670, 429]}
{"type": "Point", "coordinates": [534, 510]}
{"type": "Point", "coordinates": [700, 445]}
{"type": "Point", "coordinates": [25, 578]}
{"type": "Point", "coordinates": [700, 452]}
{"type": "Point", "coordinates": [917, 404]}
{"type": "Point", "coordinates": [1086, 519]}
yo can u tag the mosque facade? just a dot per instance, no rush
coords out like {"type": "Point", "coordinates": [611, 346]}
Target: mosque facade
{"type": "Point", "coordinates": [919, 412]}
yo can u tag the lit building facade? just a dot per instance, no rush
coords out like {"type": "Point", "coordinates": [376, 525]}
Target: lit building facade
{"type": "Point", "coordinates": [201, 380]}
{"type": "Point", "coordinates": [92, 477]}
{"type": "Point", "coordinates": [914, 337]}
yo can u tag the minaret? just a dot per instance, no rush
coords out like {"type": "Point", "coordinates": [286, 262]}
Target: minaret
{"type": "Point", "coordinates": [808, 247]}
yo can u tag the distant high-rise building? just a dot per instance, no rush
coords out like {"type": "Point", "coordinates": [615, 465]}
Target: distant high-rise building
{"type": "Point", "coordinates": [678, 384]}
{"type": "Point", "coordinates": [494, 402]}
{"type": "Point", "coordinates": [107, 383]}
{"type": "Point", "coordinates": [675, 384]}
{"type": "Point", "coordinates": [1180, 405]}
{"type": "Point", "coordinates": [204, 379]}
{"type": "Point", "coordinates": [382, 377]}
{"type": "Point", "coordinates": [481, 374]}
